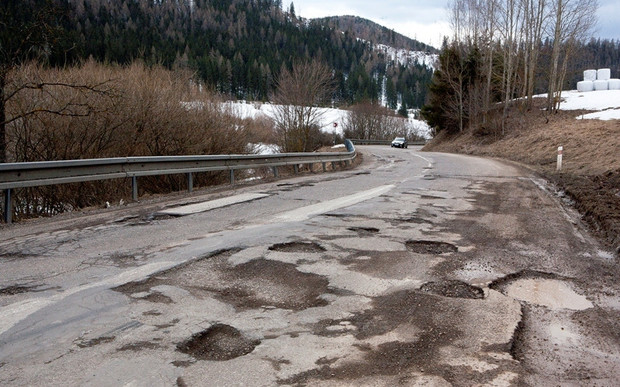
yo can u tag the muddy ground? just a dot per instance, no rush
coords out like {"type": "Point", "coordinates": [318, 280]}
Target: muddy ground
{"type": "Point", "coordinates": [590, 176]}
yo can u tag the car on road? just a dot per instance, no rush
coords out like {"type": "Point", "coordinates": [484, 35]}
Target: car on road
{"type": "Point", "coordinates": [399, 142]}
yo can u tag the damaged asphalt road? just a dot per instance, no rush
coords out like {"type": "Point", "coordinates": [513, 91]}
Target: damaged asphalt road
{"type": "Point", "coordinates": [413, 269]}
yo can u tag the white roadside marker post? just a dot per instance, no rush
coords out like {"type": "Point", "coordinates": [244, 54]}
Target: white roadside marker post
{"type": "Point", "coordinates": [560, 150]}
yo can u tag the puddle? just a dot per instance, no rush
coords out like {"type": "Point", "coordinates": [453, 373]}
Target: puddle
{"type": "Point", "coordinates": [220, 342]}
{"type": "Point", "coordinates": [298, 247]}
{"type": "Point", "coordinates": [453, 289]}
{"type": "Point", "coordinates": [431, 247]}
{"type": "Point", "coordinates": [539, 288]}
{"type": "Point", "coordinates": [554, 294]}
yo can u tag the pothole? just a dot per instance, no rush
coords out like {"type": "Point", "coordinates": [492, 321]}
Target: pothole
{"type": "Point", "coordinates": [453, 289]}
{"type": "Point", "coordinates": [363, 231]}
{"type": "Point", "coordinates": [543, 289]}
{"type": "Point", "coordinates": [16, 289]}
{"type": "Point", "coordinates": [220, 342]}
{"type": "Point", "coordinates": [123, 260]}
{"type": "Point", "coordinates": [254, 284]}
{"type": "Point", "coordinates": [430, 247]}
{"type": "Point", "coordinates": [95, 341]}
{"type": "Point", "coordinates": [298, 247]}
{"type": "Point", "coordinates": [139, 346]}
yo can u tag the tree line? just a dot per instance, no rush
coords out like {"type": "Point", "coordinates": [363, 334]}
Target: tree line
{"type": "Point", "coordinates": [503, 50]}
{"type": "Point", "coordinates": [237, 47]}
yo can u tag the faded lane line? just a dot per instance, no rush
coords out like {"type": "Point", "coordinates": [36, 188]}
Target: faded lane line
{"type": "Point", "coordinates": [307, 212]}
{"type": "Point", "coordinates": [212, 204]}
{"type": "Point", "coordinates": [16, 312]}
{"type": "Point", "coordinates": [430, 163]}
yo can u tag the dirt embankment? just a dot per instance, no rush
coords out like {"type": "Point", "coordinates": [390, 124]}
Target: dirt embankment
{"type": "Point", "coordinates": [591, 159]}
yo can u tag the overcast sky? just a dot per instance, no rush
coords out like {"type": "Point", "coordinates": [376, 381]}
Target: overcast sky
{"type": "Point", "coordinates": [425, 20]}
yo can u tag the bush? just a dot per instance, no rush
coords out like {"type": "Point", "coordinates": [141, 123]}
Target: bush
{"type": "Point", "coordinates": [95, 111]}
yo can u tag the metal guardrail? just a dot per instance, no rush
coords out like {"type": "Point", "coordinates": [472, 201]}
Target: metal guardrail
{"type": "Point", "coordinates": [382, 142]}
{"type": "Point", "coordinates": [20, 175]}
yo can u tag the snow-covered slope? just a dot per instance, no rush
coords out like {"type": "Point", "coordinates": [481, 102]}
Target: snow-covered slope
{"type": "Point", "coordinates": [407, 57]}
{"type": "Point", "coordinates": [605, 102]}
{"type": "Point", "coordinates": [329, 117]}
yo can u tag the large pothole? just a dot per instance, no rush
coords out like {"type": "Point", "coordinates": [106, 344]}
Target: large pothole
{"type": "Point", "coordinates": [254, 284]}
{"type": "Point", "coordinates": [430, 247]}
{"type": "Point", "coordinates": [220, 342]}
{"type": "Point", "coordinates": [545, 289]}
{"type": "Point", "coordinates": [453, 289]}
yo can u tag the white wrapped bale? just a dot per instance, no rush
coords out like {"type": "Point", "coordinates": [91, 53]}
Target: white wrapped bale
{"type": "Point", "coordinates": [603, 74]}
{"type": "Point", "coordinates": [614, 84]}
{"type": "Point", "coordinates": [584, 86]}
{"type": "Point", "coordinates": [601, 85]}
{"type": "Point", "coordinates": [589, 75]}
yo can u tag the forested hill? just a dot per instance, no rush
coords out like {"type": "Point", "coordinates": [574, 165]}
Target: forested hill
{"type": "Point", "coordinates": [376, 33]}
{"type": "Point", "coordinates": [236, 46]}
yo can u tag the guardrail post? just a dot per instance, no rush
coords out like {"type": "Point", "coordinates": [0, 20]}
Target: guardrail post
{"type": "Point", "coordinates": [333, 165]}
{"type": "Point", "coordinates": [8, 206]}
{"type": "Point", "coordinates": [275, 172]}
{"type": "Point", "coordinates": [190, 182]}
{"type": "Point", "coordinates": [232, 177]}
{"type": "Point", "coordinates": [324, 167]}
{"type": "Point", "coordinates": [296, 168]}
{"type": "Point", "coordinates": [134, 188]}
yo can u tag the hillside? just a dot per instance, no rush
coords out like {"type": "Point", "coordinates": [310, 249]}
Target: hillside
{"type": "Point", "coordinates": [236, 47]}
{"type": "Point", "coordinates": [375, 33]}
{"type": "Point", "coordinates": [590, 176]}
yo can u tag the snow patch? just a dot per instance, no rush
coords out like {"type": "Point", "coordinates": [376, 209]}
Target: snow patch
{"type": "Point", "coordinates": [407, 57]}
{"type": "Point", "coordinates": [329, 117]}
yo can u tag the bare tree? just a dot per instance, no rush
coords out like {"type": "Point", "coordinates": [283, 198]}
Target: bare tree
{"type": "Point", "coordinates": [300, 95]}
{"type": "Point", "coordinates": [368, 120]}
{"type": "Point", "coordinates": [535, 16]}
{"type": "Point", "coordinates": [573, 22]}
{"type": "Point", "coordinates": [31, 31]}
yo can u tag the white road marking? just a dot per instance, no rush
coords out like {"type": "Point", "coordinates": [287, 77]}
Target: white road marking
{"type": "Point", "coordinates": [430, 163]}
{"type": "Point", "coordinates": [307, 212]}
{"type": "Point", "coordinates": [16, 312]}
{"type": "Point", "coordinates": [212, 204]}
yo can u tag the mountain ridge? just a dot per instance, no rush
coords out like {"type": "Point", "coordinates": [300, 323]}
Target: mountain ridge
{"type": "Point", "coordinates": [376, 33]}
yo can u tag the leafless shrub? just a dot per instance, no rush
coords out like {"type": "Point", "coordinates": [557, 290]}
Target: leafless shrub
{"type": "Point", "coordinates": [371, 121]}
{"type": "Point", "coordinates": [118, 111]}
{"type": "Point", "coordinates": [299, 96]}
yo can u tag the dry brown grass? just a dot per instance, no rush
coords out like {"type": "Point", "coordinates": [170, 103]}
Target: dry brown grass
{"type": "Point", "coordinates": [95, 111]}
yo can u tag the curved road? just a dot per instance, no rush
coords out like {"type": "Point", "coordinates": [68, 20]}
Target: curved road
{"type": "Point", "coordinates": [414, 268]}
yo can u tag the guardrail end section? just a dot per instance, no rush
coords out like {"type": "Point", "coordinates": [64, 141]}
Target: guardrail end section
{"type": "Point", "coordinates": [349, 144]}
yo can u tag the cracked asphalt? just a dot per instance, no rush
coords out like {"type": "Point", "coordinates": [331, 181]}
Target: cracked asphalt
{"type": "Point", "coordinates": [412, 269]}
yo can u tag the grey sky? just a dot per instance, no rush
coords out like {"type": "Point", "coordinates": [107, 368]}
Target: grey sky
{"type": "Point", "coordinates": [426, 20]}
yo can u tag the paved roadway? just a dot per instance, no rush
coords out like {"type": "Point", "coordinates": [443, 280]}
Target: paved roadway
{"type": "Point", "coordinates": [412, 269]}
